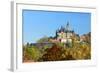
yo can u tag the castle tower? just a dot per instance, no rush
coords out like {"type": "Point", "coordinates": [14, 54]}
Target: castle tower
{"type": "Point", "coordinates": [64, 34]}
{"type": "Point", "coordinates": [68, 28]}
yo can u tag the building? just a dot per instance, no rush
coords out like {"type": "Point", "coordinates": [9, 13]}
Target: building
{"type": "Point", "coordinates": [64, 34]}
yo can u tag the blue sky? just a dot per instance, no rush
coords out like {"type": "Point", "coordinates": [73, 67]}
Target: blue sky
{"type": "Point", "coordinates": [37, 24]}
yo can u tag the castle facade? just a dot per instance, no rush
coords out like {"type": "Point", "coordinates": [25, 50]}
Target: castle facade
{"type": "Point", "coordinates": [64, 34]}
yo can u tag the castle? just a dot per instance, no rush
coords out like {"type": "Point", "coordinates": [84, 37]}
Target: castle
{"type": "Point", "coordinates": [67, 35]}
{"type": "Point", "coordinates": [64, 34]}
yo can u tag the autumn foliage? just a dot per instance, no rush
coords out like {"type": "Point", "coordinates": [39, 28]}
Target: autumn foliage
{"type": "Point", "coordinates": [57, 51]}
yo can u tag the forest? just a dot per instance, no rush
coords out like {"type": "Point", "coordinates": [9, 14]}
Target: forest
{"type": "Point", "coordinates": [40, 51]}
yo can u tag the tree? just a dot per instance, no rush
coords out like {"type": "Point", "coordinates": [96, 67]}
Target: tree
{"type": "Point", "coordinates": [31, 54]}
{"type": "Point", "coordinates": [53, 54]}
{"type": "Point", "coordinates": [43, 40]}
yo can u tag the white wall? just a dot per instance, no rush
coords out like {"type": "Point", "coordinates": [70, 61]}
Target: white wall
{"type": "Point", "coordinates": [5, 37]}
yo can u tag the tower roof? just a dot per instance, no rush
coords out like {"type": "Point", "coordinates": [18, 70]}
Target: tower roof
{"type": "Point", "coordinates": [68, 28]}
{"type": "Point", "coordinates": [67, 23]}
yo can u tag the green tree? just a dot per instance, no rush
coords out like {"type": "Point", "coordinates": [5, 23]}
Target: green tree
{"type": "Point", "coordinates": [31, 54]}
{"type": "Point", "coordinates": [43, 40]}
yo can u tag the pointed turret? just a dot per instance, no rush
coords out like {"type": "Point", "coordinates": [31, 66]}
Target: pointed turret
{"type": "Point", "coordinates": [68, 28]}
{"type": "Point", "coordinates": [67, 23]}
{"type": "Point", "coordinates": [62, 29]}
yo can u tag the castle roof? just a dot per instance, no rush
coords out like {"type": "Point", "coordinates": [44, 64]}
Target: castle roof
{"type": "Point", "coordinates": [66, 29]}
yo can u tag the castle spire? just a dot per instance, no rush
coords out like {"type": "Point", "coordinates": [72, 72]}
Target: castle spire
{"type": "Point", "coordinates": [67, 23]}
{"type": "Point", "coordinates": [62, 28]}
{"type": "Point", "coordinates": [68, 27]}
